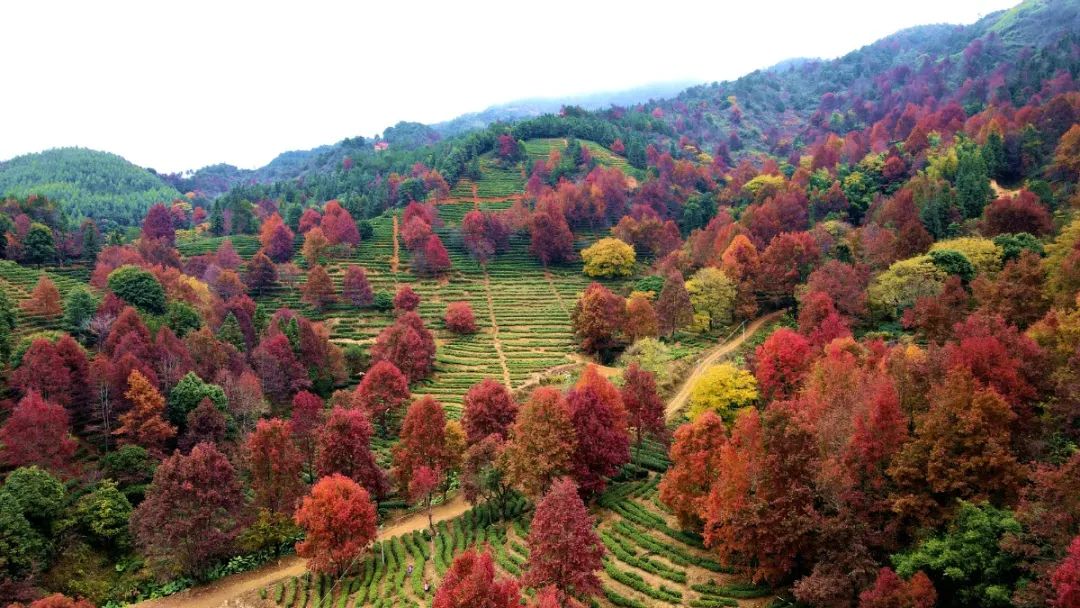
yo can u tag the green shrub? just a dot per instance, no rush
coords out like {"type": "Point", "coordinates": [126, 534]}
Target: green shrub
{"type": "Point", "coordinates": [635, 582]}
{"type": "Point", "coordinates": [138, 287]}
{"type": "Point", "coordinates": [383, 300]}
{"type": "Point", "coordinates": [621, 601]}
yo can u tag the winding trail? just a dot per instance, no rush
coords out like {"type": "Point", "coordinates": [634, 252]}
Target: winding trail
{"type": "Point", "coordinates": [230, 591]}
{"type": "Point", "coordinates": [678, 401]}
{"type": "Point", "coordinates": [495, 333]}
{"type": "Point", "coordinates": [558, 296]}
{"type": "Point", "coordinates": [395, 258]}
{"type": "Point", "coordinates": [1000, 191]}
{"type": "Point", "coordinates": [240, 590]}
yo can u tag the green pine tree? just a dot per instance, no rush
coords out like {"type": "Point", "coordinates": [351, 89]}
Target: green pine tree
{"type": "Point", "coordinates": [230, 332]}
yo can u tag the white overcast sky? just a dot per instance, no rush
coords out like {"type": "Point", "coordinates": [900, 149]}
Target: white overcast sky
{"type": "Point", "coordinates": [178, 85]}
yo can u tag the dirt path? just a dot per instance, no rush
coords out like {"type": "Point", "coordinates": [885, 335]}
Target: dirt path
{"type": "Point", "coordinates": [495, 333]}
{"type": "Point", "coordinates": [676, 403]}
{"type": "Point", "coordinates": [230, 589]}
{"type": "Point", "coordinates": [474, 200]}
{"type": "Point", "coordinates": [395, 258]}
{"type": "Point", "coordinates": [1000, 191]}
{"type": "Point", "coordinates": [558, 296]}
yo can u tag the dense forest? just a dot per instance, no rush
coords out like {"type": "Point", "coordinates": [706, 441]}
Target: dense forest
{"type": "Point", "coordinates": [807, 338]}
{"type": "Point", "coordinates": [87, 184]}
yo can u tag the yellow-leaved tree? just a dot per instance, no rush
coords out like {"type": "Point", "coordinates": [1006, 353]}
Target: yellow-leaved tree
{"type": "Point", "coordinates": [609, 257]}
{"type": "Point", "coordinates": [712, 294]}
{"type": "Point", "coordinates": [983, 254]}
{"type": "Point", "coordinates": [902, 284]}
{"type": "Point", "coordinates": [724, 389]}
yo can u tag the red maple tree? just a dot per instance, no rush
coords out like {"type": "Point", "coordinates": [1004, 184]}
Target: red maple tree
{"type": "Point", "coordinates": [891, 591]}
{"type": "Point", "coordinates": [564, 551]}
{"type": "Point", "coordinates": [599, 418]}
{"type": "Point", "coordinates": [598, 317]}
{"type": "Point", "coordinates": [37, 432]}
{"type": "Point", "coordinates": [406, 300]}
{"type": "Point", "coordinates": [488, 409]}
{"type": "Point", "coordinates": [355, 287]}
{"type": "Point", "coordinates": [338, 519]}
{"type": "Point", "coordinates": [471, 583]}
{"type": "Point", "coordinates": [422, 441]}
{"type": "Point", "coordinates": [542, 442]}
{"type": "Point", "coordinates": [781, 363]}
{"type": "Point", "coordinates": [343, 446]}
{"type": "Point", "coordinates": [459, 318]}
{"type": "Point", "coordinates": [408, 345]}
{"type": "Point", "coordinates": [644, 408]}
{"type": "Point", "coordinates": [145, 424]}
{"type": "Point", "coordinates": [694, 454]}
{"type": "Point", "coordinates": [191, 513]}
{"type": "Point", "coordinates": [383, 392]}
{"type": "Point", "coordinates": [275, 464]}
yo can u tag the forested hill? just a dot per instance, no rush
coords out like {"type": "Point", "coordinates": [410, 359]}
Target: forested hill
{"type": "Point", "coordinates": [86, 183]}
{"type": "Point", "coordinates": [1027, 54]}
{"type": "Point", "coordinates": [1011, 58]}
{"type": "Point", "coordinates": [1007, 58]}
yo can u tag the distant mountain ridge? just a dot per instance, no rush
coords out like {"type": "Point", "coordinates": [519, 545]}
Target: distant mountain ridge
{"type": "Point", "coordinates": [216, 179]}
{"type": "Point", "coordinates": [537, 106]}
{"type": "Point", "coordinates": [1006, 57]}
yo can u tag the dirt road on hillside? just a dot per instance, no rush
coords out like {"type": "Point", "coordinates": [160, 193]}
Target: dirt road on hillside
{"type": "Point", "coordinates": [678, 402]}
{"type": "Point", "coordinates": [223, 592]}
{"type": "Point", "coordinates": [232, 590]}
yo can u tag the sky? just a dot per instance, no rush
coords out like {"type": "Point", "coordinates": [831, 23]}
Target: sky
{"type": "Point", "coordinates": [177, 85]}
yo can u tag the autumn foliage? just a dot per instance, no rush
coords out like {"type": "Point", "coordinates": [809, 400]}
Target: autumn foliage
{"type": "Point", "coordinates": [408, 345]}
{"type": "Point", "coordinates": [144, 424]}
{"type": "Point", "coordinates": [383, 392]}
{"type": "Point", "coordinates": [342, 446]}
{"type": "Point", "coordinates": [37, 432]}
{"type": "Point", "coordinates": [489, 409]}
{"type": "Point", "coordinates": [542, 442]}
{"type": "Point", "coordinates": [600, 426]}
{"type": "Point", "coordinates": [899, 431]}
{"type": "Point", "coordinates": [338, 519]}
{"type": "Point", "coordinates": [275, 464]}
{"type": "Point", "coordinates": [471, 583]}
{"type": "Point", "coordinates": [423, 441]}
{"type": "Point", "coordinates": [44, 299]}
{"type": "Point", "coordinates": [192, 510]}
{"type": "Point", "coordinates": [459, 318]}
{"type": "Point", "coordinates": [564, 551]}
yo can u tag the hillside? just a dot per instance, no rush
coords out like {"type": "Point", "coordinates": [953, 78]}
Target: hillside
{"type": "Point", "coordinates": [807, 338]}
{"type": "Point", "coordinates": [1005, 58]}
{"type": "Point", "coordinates": [87, 183]}
{"type": "Point", "coordinates": [217, 179]}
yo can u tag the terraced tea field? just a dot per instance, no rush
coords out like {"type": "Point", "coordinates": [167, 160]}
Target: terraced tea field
{"type": "Point", "coordinates": [18, 281]}
{"type": "Point", "coordinates": [538, 149]}
{"type": "Point", "coordinates": [499, 180]}
{"type": "Point", "coordinates": [649, 561]}
{"type": "Point", "coordinates": [496, 180]}
{"type": "Point", "coordinates": [522, 310]}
